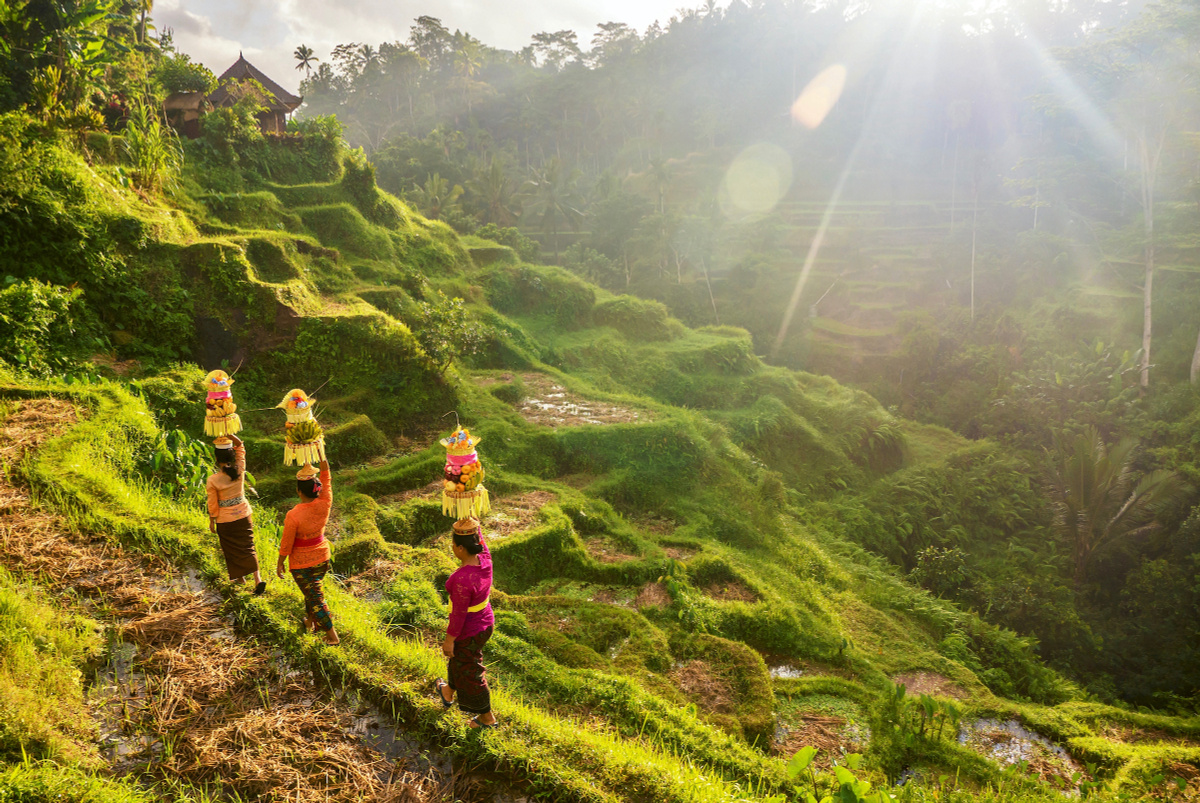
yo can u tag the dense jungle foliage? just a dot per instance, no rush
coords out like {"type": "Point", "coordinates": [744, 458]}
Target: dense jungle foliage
{"type": "Point", "coordinates": [916, 510]}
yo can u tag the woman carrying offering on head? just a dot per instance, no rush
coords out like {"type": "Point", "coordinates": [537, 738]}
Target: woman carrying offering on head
{"type": "Point", "coordinates": [305, 549]}
{"type": "Point", "coordinates": [471, 622]}
{"type": "Point", "coordinates": [229, 512]}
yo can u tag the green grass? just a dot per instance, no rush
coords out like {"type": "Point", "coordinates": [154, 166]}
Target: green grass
{"type": "Point", "coordinates": [43, 648]}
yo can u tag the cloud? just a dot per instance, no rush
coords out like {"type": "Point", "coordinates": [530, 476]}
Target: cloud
{"type": "Point", "coordinates": [267, 31]}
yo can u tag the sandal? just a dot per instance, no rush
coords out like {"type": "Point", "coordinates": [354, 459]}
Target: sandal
{"type": "Point", "coordinates": [479, 725]}
{"type": "Point", "coordinates": [441, 684]}
{"type": "Point", "coordinates": [261, 588]}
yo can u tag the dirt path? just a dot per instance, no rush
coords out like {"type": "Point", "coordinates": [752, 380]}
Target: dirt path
{"type": "Point", "coordinates": [184, 696]}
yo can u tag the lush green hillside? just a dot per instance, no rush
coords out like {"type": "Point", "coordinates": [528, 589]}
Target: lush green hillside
{"type": "Point", "coordinates": [681, 602]}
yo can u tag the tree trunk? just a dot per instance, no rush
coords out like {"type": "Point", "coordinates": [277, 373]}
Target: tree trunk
{"type": "Point", "coordinates": [711, 299]}
{"type": "Point", "coordinates": [1196, 362]}
{"type": "Point", "coordinates": [954, 184]}
{"type": "Point", "coordinates": [1149, 174]}
{"type": "Point", "coordinates": [974, 229]}
{"type": "Point", "coordinates": [1147, 318]}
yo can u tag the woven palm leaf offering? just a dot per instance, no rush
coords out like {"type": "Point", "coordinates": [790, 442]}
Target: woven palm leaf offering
{"type": "Point", "coordinates": [220, 413]}
{"type": "Point", "coordinates": [463, 494]}
{"type": "Point", "coordinates": [304, 440]}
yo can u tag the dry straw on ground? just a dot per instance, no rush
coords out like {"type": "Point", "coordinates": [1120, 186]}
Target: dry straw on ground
{"type": "Point", "coordinates": [826, 733]}
{"type": "Point", "coordinates": [707, 688]}
{"type": "Point", "coordinates": [200, 703]}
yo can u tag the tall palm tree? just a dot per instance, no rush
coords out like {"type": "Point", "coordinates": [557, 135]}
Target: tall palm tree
{"type": "Point", "coordinates": [495, 195]}
{"type": "Point", "coordinates": [552, 193]}
{"type": "Point", "coordinates": [468, 60]}
{"type": "Point", "coordinates": [1099, 498]}
{"type": "Point", "coordinates": [305, 59]}
{"type": "Point", "coordinates": [367, 57]}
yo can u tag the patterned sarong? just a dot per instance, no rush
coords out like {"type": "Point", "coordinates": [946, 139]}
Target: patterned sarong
{"type": "Point", "coordinates": [465, 673]}
{"type": "Point", "coordinates": [309, 581]}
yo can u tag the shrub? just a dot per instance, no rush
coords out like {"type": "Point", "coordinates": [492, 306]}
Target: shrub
{"type": "Point", "coordinates": [152, 148]}
{"type": "Point", "coordinates": [355, 441]}
{"type": "Point", "coordinates": [526, 248]}
{"type": "Point", "coordinates": [509, 392]}
{"type": "Point", "coordinates": [37, 325]}
{"type": "Point", "coordinates": [634, 317]}
{"type": "Point", "coordinates": [445, 331]}
{"type": "Point", "coordinates": [177, 73]}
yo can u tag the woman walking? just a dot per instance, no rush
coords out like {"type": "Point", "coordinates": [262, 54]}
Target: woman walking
{"type": "Point", "coordinates": [229, 514]}
{"type": "Point", "coordinates": [304, 549]}
{"type": "Point", "coordinates": [471, 623]}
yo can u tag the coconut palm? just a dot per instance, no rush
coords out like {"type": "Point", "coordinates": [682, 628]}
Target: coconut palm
{"type": "Point", "coordinates": [1099, 498]}
{"type": "Point", "coordinates": [494, 195]}
{"type": "Point", "coordinates": [305, 59]}
{"type": "Point", "coordinates": [553, 196]}
{"type": "Point", "coordinates": [437, 197]}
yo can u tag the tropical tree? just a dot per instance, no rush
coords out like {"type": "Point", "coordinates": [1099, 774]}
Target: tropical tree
{"type": "Point", "coordinates": [494, 195]}
{"type": "Point", "coordinates": [552, 193]}
{"type": "Point", "coordinates": [1099, 498]}
{"type": "Point", "coordinates": [305, 59]}
{"type": "Point", "coordinates": [436, 197]}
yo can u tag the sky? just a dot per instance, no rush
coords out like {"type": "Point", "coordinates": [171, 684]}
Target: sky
{"type": "Point", "coordinates": [213, 32]}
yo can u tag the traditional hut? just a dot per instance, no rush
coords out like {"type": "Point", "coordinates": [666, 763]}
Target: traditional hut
{"type": "Point", "coordinates": [183, 112]}
{"type": "Point", "coordinates": [278, 101]}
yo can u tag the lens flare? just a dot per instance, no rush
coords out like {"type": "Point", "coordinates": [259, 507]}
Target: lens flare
{"type": "Point", "coordinates": [820, 96]}
{"type": "Point", "coordinates": [756, 180]}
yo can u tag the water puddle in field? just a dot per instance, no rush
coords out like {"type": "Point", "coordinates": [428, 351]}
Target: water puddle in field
{"type": "Point", "coordinates": [1010, 743]}
{"type": "Point", "coordinates": [786, 672]}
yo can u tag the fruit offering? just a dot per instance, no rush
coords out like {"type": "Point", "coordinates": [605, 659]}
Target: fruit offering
{"type": "Point", "coordinates": [304, 440]}
{"type": "Point", "coordinates": [463, 494]}
{"type": "Point", "coordinates": [220, 412]}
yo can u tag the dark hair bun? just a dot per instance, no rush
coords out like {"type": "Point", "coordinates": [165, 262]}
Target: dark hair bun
{"type": "Point", "coordinates": [469, 540]}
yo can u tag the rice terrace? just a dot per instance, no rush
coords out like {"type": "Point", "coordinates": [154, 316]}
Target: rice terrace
{"type": "Point", "coordinates": [791, 401]}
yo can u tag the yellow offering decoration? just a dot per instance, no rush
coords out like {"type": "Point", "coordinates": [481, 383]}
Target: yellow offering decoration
{"type": "Point", "coordinates": [463, 494]}
{"type": "Point", "coordinates": [304, 440]}
{"type": "Point", "coordinates": [220, 417]}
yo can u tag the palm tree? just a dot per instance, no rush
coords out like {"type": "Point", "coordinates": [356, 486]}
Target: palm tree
{"type": "Point", "coordinates": [305, 58]}
{"type": "Point", "coordinates": [495, 195]}
{"type": "Point", "coordinates": [1099, 498]}
{"type": "Point", "coordinates": [367, 57]}
{"type": "Point", "coordinates": [554, 199]}
{"type": "Point", "coordinates": [437, 197]}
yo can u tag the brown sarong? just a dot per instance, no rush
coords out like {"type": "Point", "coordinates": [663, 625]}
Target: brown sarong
{"type": "Point", "coordinates": [237, 542]}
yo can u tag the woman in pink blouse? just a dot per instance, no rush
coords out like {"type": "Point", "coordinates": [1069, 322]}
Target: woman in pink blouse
{"type": "Point", "coordinates": [471, 623]}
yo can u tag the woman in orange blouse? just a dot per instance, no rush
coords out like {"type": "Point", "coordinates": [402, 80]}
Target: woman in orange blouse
{"type": "Point", "coordinates": [305, 549]}
{"type": "Point", "coordinates": [229, 512]}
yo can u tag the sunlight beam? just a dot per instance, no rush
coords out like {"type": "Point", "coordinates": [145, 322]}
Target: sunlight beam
{"type": "Point", "coordinates": [835, 198]}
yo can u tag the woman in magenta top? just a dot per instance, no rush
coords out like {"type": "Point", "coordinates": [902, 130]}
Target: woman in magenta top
{"type": "Point", "coordinates": [471, 623]}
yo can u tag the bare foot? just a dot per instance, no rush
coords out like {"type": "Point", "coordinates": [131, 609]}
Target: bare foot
{"type": "Point", "coordinates": [310, 625]}
{"type": "Point", "coordinates": [331, 636]}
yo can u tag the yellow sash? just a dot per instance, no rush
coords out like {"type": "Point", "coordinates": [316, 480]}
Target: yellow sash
{"type": "Point", "coordinates": [473, 608]}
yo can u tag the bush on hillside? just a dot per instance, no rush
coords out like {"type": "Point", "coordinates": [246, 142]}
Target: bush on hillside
{"type": "Point", "coordinates": [526, 248]}
{"type": "Point", "coordinates": [38, 324]}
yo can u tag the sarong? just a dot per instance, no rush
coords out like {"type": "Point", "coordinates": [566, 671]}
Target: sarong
{"type": "Point", "coordinates": [465, 673]}
{"type": "Point", "coordinates": [237, 542]}
{"type": "Point", "coordinates": [309, 581]}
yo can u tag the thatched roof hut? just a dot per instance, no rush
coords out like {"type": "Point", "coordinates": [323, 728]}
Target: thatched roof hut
{"type": "Point", "coordinates": [278, 101]}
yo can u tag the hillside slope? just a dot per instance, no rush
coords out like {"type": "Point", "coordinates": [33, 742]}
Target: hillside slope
{"type": "Point", "coordinates": [678, 610]}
